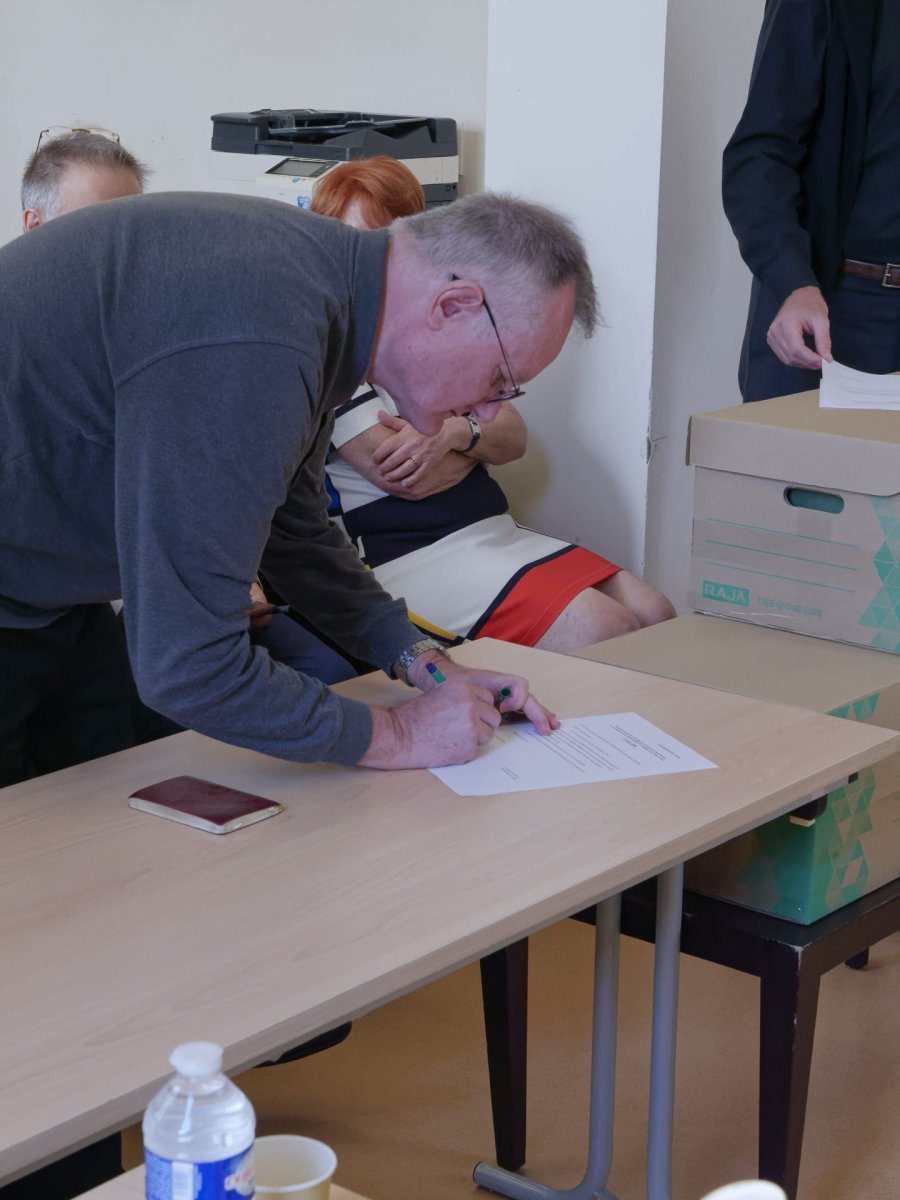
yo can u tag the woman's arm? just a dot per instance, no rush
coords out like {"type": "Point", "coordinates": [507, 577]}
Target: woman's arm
{"type": "Point", "coordinates": [501, 441]}
{"type": "Point", "coordinates": [395, 457]}
{"type": "Point", "coordinates": [504, 440]}
{"type": "Point", "coordinates": [437, 469]}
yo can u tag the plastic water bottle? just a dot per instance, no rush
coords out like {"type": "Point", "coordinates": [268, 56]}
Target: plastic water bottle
{"type": "Point", "coordinates": [198, 1131]}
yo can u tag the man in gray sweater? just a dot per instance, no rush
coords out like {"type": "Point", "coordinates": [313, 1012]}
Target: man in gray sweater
{"type": "Point", "coordinates": [168, 372]}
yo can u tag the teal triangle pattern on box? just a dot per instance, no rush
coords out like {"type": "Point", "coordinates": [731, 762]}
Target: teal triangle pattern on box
{"type": "Point", "coordinates": [863, 709]}
{"type": "Point", "coordinates": [888, 567]}
{"type": "Point", "coordinates": [804, 872]}
{"type": "Point", "coordinates": [886, 641]}
{"type": "Point", "coordinates": [884, 506]}
{"type": "Point", "coordinates": [883, 611]}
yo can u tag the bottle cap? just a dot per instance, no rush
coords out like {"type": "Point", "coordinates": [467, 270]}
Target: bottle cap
{"type": "Point", "coordinates": [197, 1060]}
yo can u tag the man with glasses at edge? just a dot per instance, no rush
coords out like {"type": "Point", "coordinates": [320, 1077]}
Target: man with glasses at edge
{"type": "Point", "coordinates": [74, 166]}
{"type": "Point", "coordinates": [170, 370]}
{"type": "Point", "coordinates": [425, 514]}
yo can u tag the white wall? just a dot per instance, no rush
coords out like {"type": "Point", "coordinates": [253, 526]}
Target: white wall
{"type": "Point", "coordinates": [702, 287]}
{"type": "Point", "coordinates": [574, 116]}
{"type": "Point", "coordinates": [155, 71]}
{"type": "Point", "coordinates": [577, 116]}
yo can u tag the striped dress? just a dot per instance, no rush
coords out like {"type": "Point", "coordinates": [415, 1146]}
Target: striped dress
{"type": "Point", "coordinates": [463, 565]}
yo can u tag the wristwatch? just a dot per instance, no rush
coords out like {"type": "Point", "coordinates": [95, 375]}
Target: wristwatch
{"type": "Point", "coordinates": [406, 658]}
{"type": "Point", "coordinates": [476, 432]}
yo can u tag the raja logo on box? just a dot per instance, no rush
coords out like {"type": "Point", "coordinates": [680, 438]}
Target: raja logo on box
{"type": "Point", "coordinates": [726, 593]}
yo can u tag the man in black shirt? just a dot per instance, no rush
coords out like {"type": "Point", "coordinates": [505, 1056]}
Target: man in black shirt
{"type": "Point", "coordinates": [811, 186]}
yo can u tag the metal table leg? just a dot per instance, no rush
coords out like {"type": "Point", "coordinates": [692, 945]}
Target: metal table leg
{"type": "Point", "coordinates": [603, 1059]}
{"type": "Point", "coordinates": [669, 901]}
{"type": "Point", "coordinates": [603, 1080]}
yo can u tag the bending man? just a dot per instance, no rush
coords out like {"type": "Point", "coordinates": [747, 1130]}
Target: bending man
{"type": "Point", "coordinates": [166, 412]}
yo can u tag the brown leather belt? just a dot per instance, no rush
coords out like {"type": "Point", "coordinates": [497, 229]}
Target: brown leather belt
{"type": "Point", "coordinates": [887, 274]}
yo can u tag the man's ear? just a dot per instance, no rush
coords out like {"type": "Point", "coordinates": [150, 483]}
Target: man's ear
{"type": "Point", "coordinates": [457, 299]}
{"type": "Point", "coordinates": [31, 218]}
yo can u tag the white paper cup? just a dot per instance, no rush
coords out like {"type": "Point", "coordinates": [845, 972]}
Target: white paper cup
{"type": "Point", "coordinates": [748, 1189]}
{"type": "Point", "coordinates": [288, 1165]}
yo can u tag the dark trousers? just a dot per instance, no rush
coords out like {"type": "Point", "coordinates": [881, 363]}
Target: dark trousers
{"type": "Point", "coordinates": [865, 334]}
{"type": "Point", "coordinates": [289, 642]}
{"type": "Point", "coordinates": [66, 693]}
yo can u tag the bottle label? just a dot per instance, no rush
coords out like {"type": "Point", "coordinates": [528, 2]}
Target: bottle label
{"type": "Point", "coordinates": [227, 1179]}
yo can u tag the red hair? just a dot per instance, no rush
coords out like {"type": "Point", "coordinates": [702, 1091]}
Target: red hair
{"type": "Point", "coordinates": [382, 186]}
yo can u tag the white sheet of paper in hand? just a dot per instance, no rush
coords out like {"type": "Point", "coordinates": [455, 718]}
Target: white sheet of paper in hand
{"type": "Point", "coordinates": [584, 750]}
{"type": "Point", "coordinates": [844, 387]}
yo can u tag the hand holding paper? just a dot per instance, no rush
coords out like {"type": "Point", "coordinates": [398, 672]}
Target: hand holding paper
{"type": "Point", "coordinates": [844, 387]}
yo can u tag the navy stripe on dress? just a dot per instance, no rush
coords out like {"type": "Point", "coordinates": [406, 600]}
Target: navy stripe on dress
{"type": "Point", "coordinates": [391, 527]}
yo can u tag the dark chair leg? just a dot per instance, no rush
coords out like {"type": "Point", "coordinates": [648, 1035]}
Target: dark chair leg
{"type": "Point", "coordinates": [789, 997]}
{"type": "Point", "coordinates": [71, 1176]}
{"type": "Point", "coordinates": [504, 989]}
{"type": "Point", "coordinates": [858, 961]}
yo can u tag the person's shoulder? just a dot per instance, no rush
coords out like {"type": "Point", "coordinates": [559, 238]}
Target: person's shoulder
{"type": "Point", "coordinates": [357, 414]}
{"type": "Point", "coordinates": [238, 210]}
{"type": "Point", "coordinates": [263, 228]}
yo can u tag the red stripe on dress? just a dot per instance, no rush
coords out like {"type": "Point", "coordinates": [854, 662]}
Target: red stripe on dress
{"type": "Point", "coordinates": [531, 606]}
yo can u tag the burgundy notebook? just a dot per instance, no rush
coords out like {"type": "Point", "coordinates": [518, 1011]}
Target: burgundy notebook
{"type": "Point", "coordinates": [203, 804]}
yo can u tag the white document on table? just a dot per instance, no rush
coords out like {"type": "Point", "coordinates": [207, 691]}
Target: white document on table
{"type": "Point", "coordinates": [584, 750]}
{"type": "Point", "coordinates": [844, 387]}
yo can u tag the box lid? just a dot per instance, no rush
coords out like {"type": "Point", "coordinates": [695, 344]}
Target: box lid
{"type": "Point", "coordinates": [792, 439]}
{"type": "Point", "coordinates": [752, 660]}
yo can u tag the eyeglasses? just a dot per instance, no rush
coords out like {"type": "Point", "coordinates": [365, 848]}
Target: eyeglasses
{"type": "Point", "coordinates": [513, 392]}
{"type": "Point", "coordinates": [55, 131]}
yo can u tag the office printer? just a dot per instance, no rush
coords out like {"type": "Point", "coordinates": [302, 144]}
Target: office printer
{"type": "Point", "coordinates": [285, 152]}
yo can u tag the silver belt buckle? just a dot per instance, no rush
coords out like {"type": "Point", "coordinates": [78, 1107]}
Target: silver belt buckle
{"type": "Point", "coordinates": [886, 277]}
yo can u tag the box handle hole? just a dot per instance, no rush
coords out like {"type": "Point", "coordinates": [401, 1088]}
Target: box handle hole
{"type": "Point", "coordinates": [819, 501]}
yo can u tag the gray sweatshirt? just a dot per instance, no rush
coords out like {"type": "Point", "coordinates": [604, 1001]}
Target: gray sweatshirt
{"type": "Point", "coordinates": [168, 368]}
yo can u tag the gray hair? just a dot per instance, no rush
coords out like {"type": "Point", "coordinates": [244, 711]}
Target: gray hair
{"type": "Point", "coordinates": [511, 242]}
{"type": "Point", "coordinates": [47, 166]}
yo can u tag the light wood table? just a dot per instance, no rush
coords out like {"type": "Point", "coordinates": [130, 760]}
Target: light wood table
{"type": "Point", "coordinates": [130, 1186]}
{"type": "Point", "coordinates": [122, 935]}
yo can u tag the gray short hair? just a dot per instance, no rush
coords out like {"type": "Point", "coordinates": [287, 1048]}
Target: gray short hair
{"type": "Point", "coordinates": [508, 241]}
{"type": "Point", "coordinates": [47, 166]}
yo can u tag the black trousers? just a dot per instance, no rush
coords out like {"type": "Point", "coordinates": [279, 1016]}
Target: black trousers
{"type": "Point", "coordinates": [865, 334]}
{"type": "Point", "coordinates": [66, 693]}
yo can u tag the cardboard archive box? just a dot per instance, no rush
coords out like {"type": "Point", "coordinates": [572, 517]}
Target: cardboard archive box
{"type": "Point", "coordinates": [804, 865]}
{"type": "Point", "coordinates": [797, 519]}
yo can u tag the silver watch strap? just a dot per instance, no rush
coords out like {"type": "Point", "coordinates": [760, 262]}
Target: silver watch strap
{"type": "Point", "coordinates": [407, 657]}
